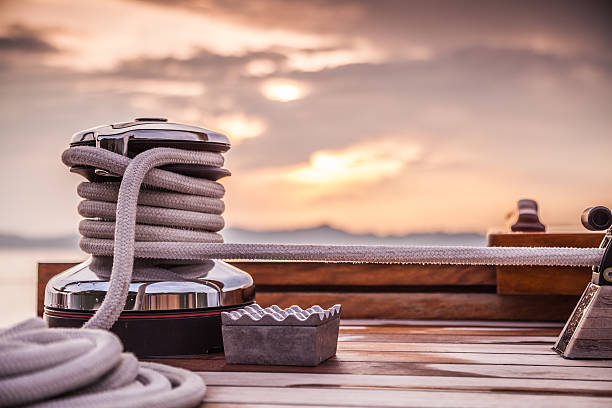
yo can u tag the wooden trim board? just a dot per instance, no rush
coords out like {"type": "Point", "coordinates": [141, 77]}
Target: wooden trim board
{"type": "Point", "coordinates": [387, 303]}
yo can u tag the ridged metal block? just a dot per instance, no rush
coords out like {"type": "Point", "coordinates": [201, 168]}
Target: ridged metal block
{"type": "Point", "coordinates": [275, 336]}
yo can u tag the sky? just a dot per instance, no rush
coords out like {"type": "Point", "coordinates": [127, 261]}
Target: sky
{"type": "Point", "coordinates": [386, 117]}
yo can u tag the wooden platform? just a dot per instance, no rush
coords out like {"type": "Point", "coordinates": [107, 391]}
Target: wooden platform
{"type": "Point", "coordinates": [418, 364]}
{"type": "Point", "coordinates": [471, 358]}
{"type": "Point", "coordinates": [395, 291]}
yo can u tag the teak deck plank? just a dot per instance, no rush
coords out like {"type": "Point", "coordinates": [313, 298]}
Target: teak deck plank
{"type": "Point", "coordinates": [451, 369]}
{"type": "Point", "coordinates": [449, 323]}
{"type": "Point", "coordinates": [466, 358]}
{"type": "Point", "coordinates": [405, 382]}
{"type": "Point", "coordinates": [392, 398]}
{"type": "Point", "coordinates": [396, 357]}
{"type": "Point", "coordinates": [447, 348]}
{"type": "Point", "coordinates": [421, 338]}
{"type": "Point", "coordinates": [459, 331]}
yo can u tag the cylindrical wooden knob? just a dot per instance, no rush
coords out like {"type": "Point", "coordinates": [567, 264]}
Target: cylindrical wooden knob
{"type": "Point", "coordinates": [528, 220]}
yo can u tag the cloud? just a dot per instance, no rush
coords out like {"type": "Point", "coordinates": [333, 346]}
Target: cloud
{"type": "Point", "coordinates": [118, 30]}
{"type": "Point", "coordinates": [412, 28]}
{"type": "Point", "coordinates": [24, 40]}
{"type": "Point", "coordinates": [161, 87]}
{"type": "Point", "coordinates": [239, 126]}
{"type": "Point", "coordinates": [364, 162]}
{"type": "Point", "coordinates": [317, 60]}
{"type": "Point", "coordinates": [467, 109]}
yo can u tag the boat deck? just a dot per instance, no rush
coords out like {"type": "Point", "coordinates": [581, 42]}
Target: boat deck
{"type": "Point", "coordinates": [409, 363]}
{"type": "Point", "coordinates": [487, 355]}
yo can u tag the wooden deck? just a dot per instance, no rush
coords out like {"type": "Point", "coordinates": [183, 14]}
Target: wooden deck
{"type": "Point", "coordinates": [418, 364]}
{"type": "Point", "coordinates": [470, 348]}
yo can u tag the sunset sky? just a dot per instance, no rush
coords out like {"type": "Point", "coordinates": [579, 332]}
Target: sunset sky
{"type": "Point", "coordinates": [388, 117]}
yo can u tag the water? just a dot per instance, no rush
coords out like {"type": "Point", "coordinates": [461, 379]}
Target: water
{"type": "Point", "coordinates": [18, 279]}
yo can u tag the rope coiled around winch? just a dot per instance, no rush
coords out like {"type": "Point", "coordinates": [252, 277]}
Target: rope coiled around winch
{"type": "Point", "coordinates": [169, 225]}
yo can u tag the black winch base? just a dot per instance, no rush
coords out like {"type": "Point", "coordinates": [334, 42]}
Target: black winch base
{"type": "Point", "coordinates": [174, 333]}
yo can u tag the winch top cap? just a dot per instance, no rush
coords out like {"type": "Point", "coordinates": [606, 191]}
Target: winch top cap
{"type": "Point", "coordinates": [151, 129]}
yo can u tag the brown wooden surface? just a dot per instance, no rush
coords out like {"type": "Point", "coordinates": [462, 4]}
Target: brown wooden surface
{"type": "Point", "coordinates": [529, 239]}
{"type": "Point", "coordinates": [543, 280]}
{"type": "Point", "coordinates": [45, 272]}
{"type": "Point", "coordinates": [363, 274]}
{"type": "Point", "coordinates": [485, 306]}
{"type": "Point", "coordinates": [436, 371]}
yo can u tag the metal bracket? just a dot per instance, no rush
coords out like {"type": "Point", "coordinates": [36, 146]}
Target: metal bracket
{"type": "Point", "coordinates": [599, 218]}
{"type": "Point", "coordinates": [604, 270]}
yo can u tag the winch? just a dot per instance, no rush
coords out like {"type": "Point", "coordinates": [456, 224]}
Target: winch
{"type": "Point", "coordinates": [173, 306]}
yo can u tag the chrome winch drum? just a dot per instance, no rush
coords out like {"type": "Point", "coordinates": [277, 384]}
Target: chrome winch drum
{"type": "Point", "coordinates": [167, 317]}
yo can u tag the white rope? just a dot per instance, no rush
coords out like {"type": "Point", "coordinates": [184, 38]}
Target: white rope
{"type": "Point", "coordinates": [440, 255]}
{"type": "Point", "coordinates": [52, 368]}
{"type": "Point", "coordinates": [174, 218]}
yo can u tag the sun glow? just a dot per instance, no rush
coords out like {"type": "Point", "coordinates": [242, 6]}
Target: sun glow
{"type": "Point", "coordinates": [365, 162]}
{"type": "Point", "coordinates": [283, 90]}
{"type": "Point", "coordinates": [240, 127]}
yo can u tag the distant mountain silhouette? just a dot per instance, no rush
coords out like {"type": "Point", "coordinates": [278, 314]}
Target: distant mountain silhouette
{"type": "Point", "coordinates": [323, 234]}
{"type": "Point", "coordinates": [17, 241]}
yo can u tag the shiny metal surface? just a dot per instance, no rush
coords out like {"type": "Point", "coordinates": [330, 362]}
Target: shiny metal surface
{"type": "Point", "coordinates": [116, 137]}
{"type": "Point", "coordinates": [575, 318]}
{"type": "Point", "coordinates": [218, 285]}
{"type": "Point", "coordinates": [209, 284]}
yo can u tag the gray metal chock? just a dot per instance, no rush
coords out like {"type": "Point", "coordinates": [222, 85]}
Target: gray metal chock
{"type": "Point", "coordinates": [275, 336]}
{"type": "Point", "coordinates": [588, 332]}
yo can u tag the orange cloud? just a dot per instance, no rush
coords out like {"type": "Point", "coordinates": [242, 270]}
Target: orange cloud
{"type": "Point", "coordinates": [364, 162]}
{"type": "Point", "coordinates": [239, 126]}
